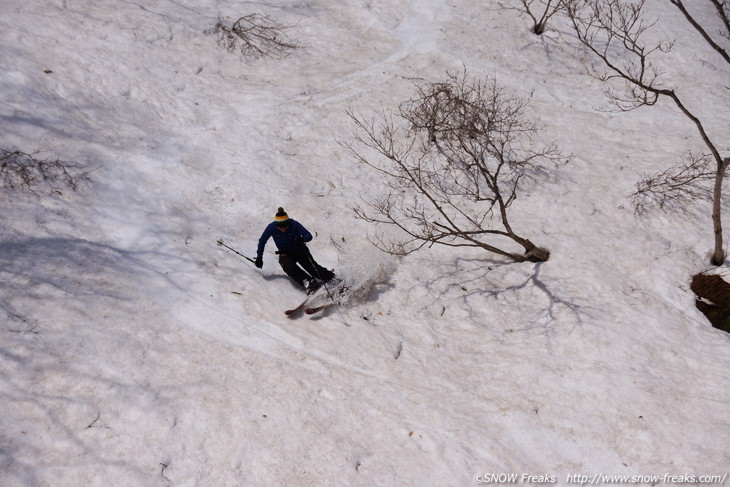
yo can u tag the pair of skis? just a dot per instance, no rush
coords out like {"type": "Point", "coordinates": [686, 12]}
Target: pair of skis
{"type": "Point", "coordinates": [307, 310]}
{"type": "Point", "coordinates": [321, 299]}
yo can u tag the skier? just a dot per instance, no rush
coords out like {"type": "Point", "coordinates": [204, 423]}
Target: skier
{"type": "Point", "coordinates": [290, 238]}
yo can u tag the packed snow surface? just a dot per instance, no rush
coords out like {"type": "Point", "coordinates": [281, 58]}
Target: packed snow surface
{"type": "Point", "coordinates": [135, 351]}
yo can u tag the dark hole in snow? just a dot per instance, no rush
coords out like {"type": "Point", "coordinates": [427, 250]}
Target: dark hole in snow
{"type": "Point", "coordinates": [713, 299]}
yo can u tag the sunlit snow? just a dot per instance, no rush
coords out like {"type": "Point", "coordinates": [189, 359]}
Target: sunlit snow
{"type": "Point", "coordinates": [134, 351]}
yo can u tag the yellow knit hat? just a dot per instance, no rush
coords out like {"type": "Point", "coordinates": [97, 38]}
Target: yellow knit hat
{"type": "Point", "coordinates": [281, 217]}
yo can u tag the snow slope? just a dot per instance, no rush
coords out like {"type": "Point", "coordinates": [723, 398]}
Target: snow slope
{"type": "Point", "coordinates": [135, 351]}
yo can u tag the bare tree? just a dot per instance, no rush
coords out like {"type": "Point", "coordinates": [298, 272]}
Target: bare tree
{"type": "Point", "coordinates": [614, 32]}
{"type": "Point", "coordinates": [451, 161]}
{"type": "Point", "coordinates": [255, 36]}
{"type": "Point", "coordinates": [539, 11]}
{"type": "Point", "coordinates": [19, 170]}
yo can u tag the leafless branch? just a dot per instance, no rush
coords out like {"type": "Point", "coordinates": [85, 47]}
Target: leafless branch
{"type": "Point", "coordinates": [676, 187]}
{"type": "Point", "coordinates": [19, 170]}
{"type": "Point", "coordinates": [539, 11]}
{"type": "Point", "coordinates": [451, 161]}
{"type": "Point", "coordinates": [723, 12]}
{"type": "Point", "coordinates": [614, 30]}
{"type": "Point", "coordinates": [255, 36]}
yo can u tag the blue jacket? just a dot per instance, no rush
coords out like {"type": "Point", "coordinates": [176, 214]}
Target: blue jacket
{"type": "Point", "coordinates": [286, 241]}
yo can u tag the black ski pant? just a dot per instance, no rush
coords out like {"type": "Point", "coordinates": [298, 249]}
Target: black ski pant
{"type": "Point", "coordinates": [301, 265]}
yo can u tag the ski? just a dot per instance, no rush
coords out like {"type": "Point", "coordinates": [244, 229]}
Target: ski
{"type": "Point", "coordinates": [324, 292]}
{"type": "Point", "coordinates": [317, 309]}
{"type": "Point", "coordinates": [302, 306]}
{"type": "Point", "coordinates": [334, 299]}
{"type": "Point", "coordinates": [292, 311]}
{"type": "Point", "coordinates": [307, 300]}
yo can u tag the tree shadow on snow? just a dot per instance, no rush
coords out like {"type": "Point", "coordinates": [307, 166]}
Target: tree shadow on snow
{"type": "Point", "coordinates": [36, 268]}
{"type": "Point", "coordinates": [514, 296]}
{"type": "Point", "coordinates": [62, 368]}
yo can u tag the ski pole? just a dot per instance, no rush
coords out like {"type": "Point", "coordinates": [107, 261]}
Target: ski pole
{"type": "Point", "coordinates": [221, 243]}
{"type": "Point", "coordinates": [311, 261]}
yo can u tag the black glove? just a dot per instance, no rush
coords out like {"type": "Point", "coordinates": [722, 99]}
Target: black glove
{"type": "Point", "coordinates": [259, 263]}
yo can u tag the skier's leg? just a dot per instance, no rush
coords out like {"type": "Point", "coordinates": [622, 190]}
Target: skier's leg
{"type": "Point", "coordinates": [325, 274]}
{"type": "Point", "coordinates": [289, 264]}
{"type": "Point", "coordinates": [306, 260]}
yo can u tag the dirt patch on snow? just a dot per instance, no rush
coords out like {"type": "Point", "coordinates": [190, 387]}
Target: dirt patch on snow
{"type": "Point", "coordinates": [713, 299]}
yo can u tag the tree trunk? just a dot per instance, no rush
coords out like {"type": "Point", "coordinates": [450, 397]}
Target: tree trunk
{"type": "Point", "coordinates": [718, 256]}
{"type": "Point", "coordinates": [534, 253]}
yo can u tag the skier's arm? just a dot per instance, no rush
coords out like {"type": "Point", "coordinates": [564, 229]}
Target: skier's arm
{"type": "Point", "coordinates": [262, 242]}
{"type": "Point", "coordinates": [302, 232]}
